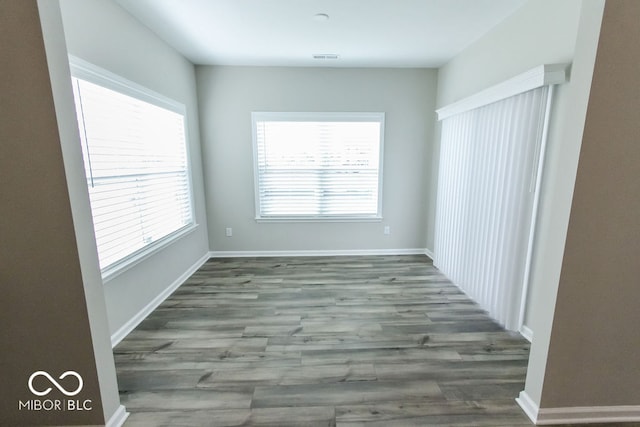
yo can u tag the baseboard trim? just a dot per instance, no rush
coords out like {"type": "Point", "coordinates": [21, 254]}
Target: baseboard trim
{"type": "Point", "coordinates": [526, 332]}
{"type": "Point", "coordinates": [589, 414]}
{"type": "Point", "coordinates": [429, 253]}
{"type": "Point", "coordinates": [528, 406]}
{"type": "Point", "coordinates": [303, 253]}
{"type": "Point", "coordinates": [130, 325]}
{"type": "Point", "coordinates": [578, 414]}
{"type": "Point", "coordinates": [118, 418]}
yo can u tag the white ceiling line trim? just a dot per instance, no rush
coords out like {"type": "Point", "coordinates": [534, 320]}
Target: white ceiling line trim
{"type": "Point", "coordinates": [547, 74]}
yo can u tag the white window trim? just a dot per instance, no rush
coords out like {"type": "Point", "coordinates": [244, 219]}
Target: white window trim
{"type": "Point", "coordinates": [317, 116]}
{"type": "Point", "coordinates": [87, 71]}
{"type": "Point", "coordinates": [92, 73]}
{"type": "Point", "coordinates": [141, 255]}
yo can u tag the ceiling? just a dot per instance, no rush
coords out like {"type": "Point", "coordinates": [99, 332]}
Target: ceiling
{"type": "Point", "coordinates": [363, 33]}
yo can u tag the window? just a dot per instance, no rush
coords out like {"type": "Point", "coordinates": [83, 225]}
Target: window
{"type": "Point", "coordinates": [318, 166]}
{"type": "Point", "coordinates": [135, 156]}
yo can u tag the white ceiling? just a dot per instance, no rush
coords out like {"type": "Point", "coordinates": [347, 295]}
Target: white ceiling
{"type": "Point", "coordinates": [364, 33]}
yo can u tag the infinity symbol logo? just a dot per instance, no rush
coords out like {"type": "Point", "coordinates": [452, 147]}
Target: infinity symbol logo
{"type": "Point", "coordinates": [55, 383]}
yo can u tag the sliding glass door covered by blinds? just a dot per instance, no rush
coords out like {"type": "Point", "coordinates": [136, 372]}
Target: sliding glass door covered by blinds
{"type": "Point", "coordinates": [489, 164]}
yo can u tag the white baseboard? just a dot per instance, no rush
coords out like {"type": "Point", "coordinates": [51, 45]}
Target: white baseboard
{"type": "Point", "coordinates": [125, 329]}
{"type": "Point", "coordinates": [528, 406]}
{"type": "Point", "coordinates": [118, 418]}
{"type": "Point", "coordinates": [429, 253]}
{"type": "Point", "coordinates": [526, 332]}
{"type": "Point", "coordinates": [347, 252]}
{"type": "Point", "coordinates": [578, 414]}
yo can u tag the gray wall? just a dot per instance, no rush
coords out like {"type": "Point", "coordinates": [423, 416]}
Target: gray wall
{"type": "Point", "coordinates": [541, 31]}
{"type": "Point", "coordinates": [101, 32]}
{"type": "Point", "coordinates": [227, 97]}
{"type": "Point", "coordinates": [555, 207]}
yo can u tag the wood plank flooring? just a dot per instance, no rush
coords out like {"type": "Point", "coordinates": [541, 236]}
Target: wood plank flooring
{"type": "Point", "coordinates": [321, 341]}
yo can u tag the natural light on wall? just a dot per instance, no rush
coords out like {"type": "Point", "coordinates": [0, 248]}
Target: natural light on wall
{"type": "Point", "coordinates": [318, 166]}
{"type": "Point", "coordinates": [137, 170]}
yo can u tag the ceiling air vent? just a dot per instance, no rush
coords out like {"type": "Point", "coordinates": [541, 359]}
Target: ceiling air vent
{"type": "Point", "coordinates": [325, 56]}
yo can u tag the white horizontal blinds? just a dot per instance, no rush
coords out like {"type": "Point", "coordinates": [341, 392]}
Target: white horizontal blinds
{"type": "Point", "coordinates": [136, 166]}
{"type": "Point", "coordinates": [317, 168]}
{"type": "Point", "coordinates": [488, 168]}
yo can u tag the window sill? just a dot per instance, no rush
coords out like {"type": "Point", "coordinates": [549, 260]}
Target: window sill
{"type": "Point", "coordinates": [136, 258]}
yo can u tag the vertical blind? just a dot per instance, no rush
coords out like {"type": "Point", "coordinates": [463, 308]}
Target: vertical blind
{"type": "Point", "coordinates": [489, 165]}
{"type": "Point", "coordinates": [317, 165]}
{"type": "Point", "coordinates": [136, 168]}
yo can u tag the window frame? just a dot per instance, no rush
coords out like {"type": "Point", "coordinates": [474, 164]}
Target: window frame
{"type": "Point", "coordinates": [89, 72]}
{"type": "Point", "coordinates": [378, 117]}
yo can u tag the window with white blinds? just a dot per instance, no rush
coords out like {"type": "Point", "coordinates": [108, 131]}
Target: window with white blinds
{"type": "Point", "coordinates": [136, 168]}
{"type": "Point", "coordinates": [315, 166]}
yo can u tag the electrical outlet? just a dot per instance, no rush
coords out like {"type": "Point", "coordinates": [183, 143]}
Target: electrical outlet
{"type": "Point", "coordinates": [228, 232]}
{"type": "Point", "coordinates": [387, 229]}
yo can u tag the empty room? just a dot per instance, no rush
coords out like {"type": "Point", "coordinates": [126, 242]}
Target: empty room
{"type": "Point", "coordinates": [320, 213]}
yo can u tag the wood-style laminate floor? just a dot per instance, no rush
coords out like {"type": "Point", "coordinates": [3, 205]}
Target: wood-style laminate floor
{"type": "Point", "coordinates": [321, 341]}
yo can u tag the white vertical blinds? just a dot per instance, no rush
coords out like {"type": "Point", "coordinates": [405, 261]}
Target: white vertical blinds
{"type": "Point", "coordinates": [313, 165]}
{"type": "Point", "coordinates": [136, 168]}
{"type": "Point", "coordinates": [488, 171]}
